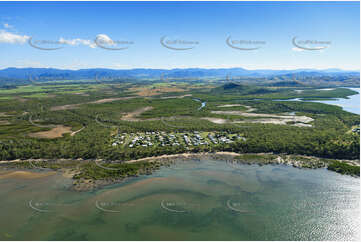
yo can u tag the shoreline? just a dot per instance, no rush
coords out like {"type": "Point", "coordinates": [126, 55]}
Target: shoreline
{"type": "Point", "coordinates": [110, 172]}
{"type": "Point", "coordinates": [188, 156]}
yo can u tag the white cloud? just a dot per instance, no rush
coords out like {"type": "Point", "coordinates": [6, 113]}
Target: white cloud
{"type": "Point", "coordinates": [104, 39]}
{"type": "Point", "coordinates": [11, 38]}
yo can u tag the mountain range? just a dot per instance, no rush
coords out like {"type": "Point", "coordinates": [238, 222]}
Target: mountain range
{"type": "Point", "coordinates": [61, 74]}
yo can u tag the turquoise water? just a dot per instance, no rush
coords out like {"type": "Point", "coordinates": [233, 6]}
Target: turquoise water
{"type": "Point", "coordinates": [193, 200]}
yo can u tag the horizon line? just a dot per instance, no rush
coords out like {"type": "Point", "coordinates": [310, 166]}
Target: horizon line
{"type": "Point", "coordinates": [185, 68]}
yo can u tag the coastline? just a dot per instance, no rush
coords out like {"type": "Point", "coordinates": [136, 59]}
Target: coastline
{"type": "Point", "coordinates": [73, 169]}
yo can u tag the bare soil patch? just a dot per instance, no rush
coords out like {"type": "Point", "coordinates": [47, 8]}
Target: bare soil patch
{"type": "Point", "coordinates": [229, 105]}
{"type": "Point", "coordinates": [265, 115]}
{"type": "Point", "coordinates": [132, 115]}
{"type": "Point", "coordinates": [81, 94]}
{"type": "Point", "coordinates": [216, 120]}
{"type": "Point", "coordinates": [267, 118]}
{"type": "Point", "coordinates": [107, 100]}
{"type": "Point", "coordinates": [268, 121]}
{"type": "Point", "coordinates": [74, 106]}
{"type": "Point", "coordinates": [55, 132]}
{"type": "Point", "coordinates": [186, 95]}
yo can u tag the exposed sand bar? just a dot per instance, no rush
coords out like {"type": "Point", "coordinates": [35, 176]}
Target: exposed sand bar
{"type": "Point", "coordinates": [25, 174]}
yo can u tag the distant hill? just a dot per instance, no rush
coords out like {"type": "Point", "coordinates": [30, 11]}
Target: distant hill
{"type": "Point", "coordinates": [235, 88]}
{"type": "Point", "coordinates": [287, 84]}
{"type": "Point", "coordinates": [52, 74]}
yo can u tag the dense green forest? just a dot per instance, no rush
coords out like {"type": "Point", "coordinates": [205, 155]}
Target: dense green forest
{"type": "Point", "coordinates": [27, 110]}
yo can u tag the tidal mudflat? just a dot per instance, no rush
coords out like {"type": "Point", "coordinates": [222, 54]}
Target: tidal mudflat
{"type": "Point", "coordinates": [199, 199]}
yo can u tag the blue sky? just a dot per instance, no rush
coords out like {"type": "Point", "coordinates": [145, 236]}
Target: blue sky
{"type": "Point", "coordinates": [205, 26]}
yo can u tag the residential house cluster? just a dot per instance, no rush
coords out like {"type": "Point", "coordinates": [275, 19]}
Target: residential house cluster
{"type": "Point", "coordinates": [161, 138]}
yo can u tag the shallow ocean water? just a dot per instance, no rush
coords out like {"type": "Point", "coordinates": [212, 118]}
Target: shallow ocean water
{"type": "Point", "coordinates": [192, 200]}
